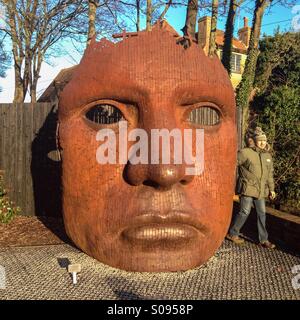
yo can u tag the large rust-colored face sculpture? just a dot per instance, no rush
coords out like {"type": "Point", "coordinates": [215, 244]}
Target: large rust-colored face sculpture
{"type": "Point", "coordinates": [147, 217]}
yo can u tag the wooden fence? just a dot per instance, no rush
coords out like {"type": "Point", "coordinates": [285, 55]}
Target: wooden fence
{"type": "Point", "coordinates": [28, 155]}
{"type": "Point", "coordinates": [27, 137]}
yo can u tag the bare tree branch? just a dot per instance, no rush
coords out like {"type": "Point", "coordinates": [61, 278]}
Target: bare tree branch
{"type": "Point", "coordinates": [165, 10]}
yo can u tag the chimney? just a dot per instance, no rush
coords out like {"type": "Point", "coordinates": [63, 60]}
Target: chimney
{"type": "Point", "coordinates": [204, 26]}
{"type": "Point", "coordinates": [245, 32]}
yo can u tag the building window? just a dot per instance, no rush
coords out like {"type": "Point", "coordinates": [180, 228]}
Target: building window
{"type": "Point", "coordinates": [236, 63]}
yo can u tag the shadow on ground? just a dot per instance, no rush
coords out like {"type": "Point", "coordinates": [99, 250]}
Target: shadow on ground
{"type": "Point", "coordinates": [126, 293]}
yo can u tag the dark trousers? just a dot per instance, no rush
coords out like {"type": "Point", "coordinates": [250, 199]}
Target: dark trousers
{"type": "Point", "coordinates": [245, 208]}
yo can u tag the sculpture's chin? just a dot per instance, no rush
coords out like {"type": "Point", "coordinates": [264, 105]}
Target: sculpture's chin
{"type": "Point", "coordinates": [154, 256]}
{"type": "Point", "coordinates": [160, 260]}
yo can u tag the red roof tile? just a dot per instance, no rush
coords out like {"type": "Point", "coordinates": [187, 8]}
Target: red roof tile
{"type": "Point", "coordinates": [237, 44]}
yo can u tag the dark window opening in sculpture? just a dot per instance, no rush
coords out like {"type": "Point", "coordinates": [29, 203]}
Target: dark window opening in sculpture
{"type": "Point", "coordinates": [104, 114]}
{"type": "Point", "coordinates": [204, 116]}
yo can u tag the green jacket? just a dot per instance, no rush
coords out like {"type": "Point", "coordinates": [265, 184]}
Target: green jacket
{"type": "Point", "coordinates": [255, 173]}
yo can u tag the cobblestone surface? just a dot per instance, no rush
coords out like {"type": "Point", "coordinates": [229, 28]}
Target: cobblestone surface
{"type": "Point", "coordinates": [247, 272]}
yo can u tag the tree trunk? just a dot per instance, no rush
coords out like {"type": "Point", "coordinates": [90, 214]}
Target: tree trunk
{"type": "Point", "coordinates": [18, 94]}
{"type": "Point", "coordinates": [191, 18]}
{"type": "Point", "coordinates": [36, 69]}
{"type": "Point", "coordinates": [27, 72]}
{"type": "Point", "coordinates": [92, 18]}
{"type": "Point", "coordinates": [229, 29]}
{"type": "Point", "coordinates": [20, 88]}
{"type": "Point", "coordinates": [245, 87]}
{"type": "Point", "coordinates": [138, 14]}
{"type": "Point", "coordinates": [33, 93]}
{"type": "Point", "coordinates": [17, 52]}
{"type": "Point", "coordinates": [213, 30]}
{"type": "Point", "coordinates": [149, 15]}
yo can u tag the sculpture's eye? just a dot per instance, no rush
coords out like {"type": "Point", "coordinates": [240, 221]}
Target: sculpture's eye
{"type": "Point", "coordinates": [104, 113]}
{"type": "Point", "coordinates": [204, 116]}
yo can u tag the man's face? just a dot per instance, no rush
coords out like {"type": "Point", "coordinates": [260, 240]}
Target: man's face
{"type": "Point", "coordinates": [261, 144]}
{"type": "Point", "coordinates": [147, 217]}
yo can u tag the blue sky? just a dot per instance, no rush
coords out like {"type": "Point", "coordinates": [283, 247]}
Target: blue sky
{"type": "Point", "coordinates": [276, 17]}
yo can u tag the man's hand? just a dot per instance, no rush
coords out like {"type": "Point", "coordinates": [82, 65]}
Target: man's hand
{"type": "Point", "coordinates": [272, 195]}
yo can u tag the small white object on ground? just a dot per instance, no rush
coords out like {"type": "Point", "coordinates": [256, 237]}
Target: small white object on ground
{"type": "Point", "coordinates": [74, 269]}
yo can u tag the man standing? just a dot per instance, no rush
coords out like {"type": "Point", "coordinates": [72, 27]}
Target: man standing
{"type": "Point", "coordinates": [255, 183]}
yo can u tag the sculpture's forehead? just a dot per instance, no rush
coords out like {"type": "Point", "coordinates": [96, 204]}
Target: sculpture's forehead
{"type": "Point", "coordinates": [153, 57]}
{"type": "Point", "coordinates": [151, 64]}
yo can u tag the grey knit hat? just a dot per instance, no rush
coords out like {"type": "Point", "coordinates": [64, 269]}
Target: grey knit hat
{"type": "Point", "coordinates": [259, 135]}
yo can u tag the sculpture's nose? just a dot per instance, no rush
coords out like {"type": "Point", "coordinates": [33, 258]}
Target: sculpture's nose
{"type": "Point", "coordinates": [165, 145]}
{"type": "Point", "coordinates": [161, 176]}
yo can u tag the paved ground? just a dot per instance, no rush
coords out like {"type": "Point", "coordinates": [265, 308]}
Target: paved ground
{"type": "Point", "coordinates": [247, 272]}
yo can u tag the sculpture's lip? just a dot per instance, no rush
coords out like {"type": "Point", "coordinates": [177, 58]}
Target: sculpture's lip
{"type": "Point", "coordinates": [173, 227]}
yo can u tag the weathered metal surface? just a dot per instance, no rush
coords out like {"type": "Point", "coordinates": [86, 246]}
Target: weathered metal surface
{"type": "Point", "coordinates": [127, 216]}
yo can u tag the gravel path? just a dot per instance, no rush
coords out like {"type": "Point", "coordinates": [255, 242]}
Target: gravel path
{"type": "Point", "coordinates": [247, 272]}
